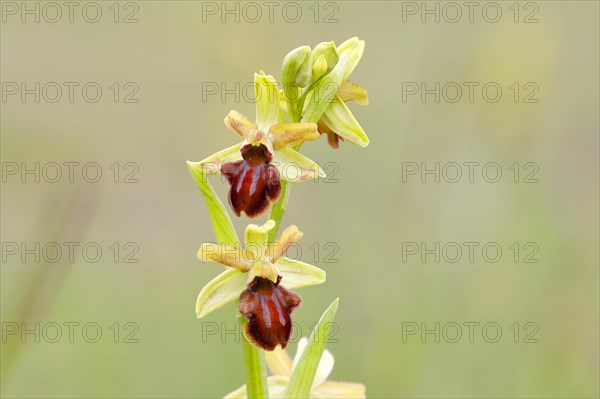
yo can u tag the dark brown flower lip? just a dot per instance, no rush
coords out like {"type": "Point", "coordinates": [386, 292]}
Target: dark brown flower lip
{"type": "Point", "coordinates": [255, 183]}
{"type": "Point", "coordinates": [256, 154]}
{"type": "Point", "coordinates": [267, 306]}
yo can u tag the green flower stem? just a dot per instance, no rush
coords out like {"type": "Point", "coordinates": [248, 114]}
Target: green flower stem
{"type": "Point", "coordinates": [278, 209]}
{"type": "Point", "coordinates": [256, 370]}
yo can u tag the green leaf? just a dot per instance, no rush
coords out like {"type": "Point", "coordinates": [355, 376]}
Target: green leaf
{"type": "Point", "coordinates": [302, 378]}
{"type": "Point", "coordinates": [224, 230]}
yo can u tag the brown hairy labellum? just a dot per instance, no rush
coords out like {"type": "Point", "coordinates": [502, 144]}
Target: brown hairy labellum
{"type": "Point", "coordinates": [254, 181]}
{"type": "Point", "coordinates": [267, 307]}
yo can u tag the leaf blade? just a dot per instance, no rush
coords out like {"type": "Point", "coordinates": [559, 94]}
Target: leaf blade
{"type": "Point", "coordinates": [303, 375]}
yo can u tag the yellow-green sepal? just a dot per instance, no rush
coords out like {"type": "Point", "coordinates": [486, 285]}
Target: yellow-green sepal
{"type": "Point", "coordinates": [220, 291]}
{"type": "Point", "coordinates": [340, 119]}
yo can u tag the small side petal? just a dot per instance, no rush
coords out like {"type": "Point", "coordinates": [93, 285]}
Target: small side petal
{"type": "Point", "coordinates": [239, 124]}
{"type": "Point", "coordinates": [295, 167]}
{"type": "Point", "coordinates": [212, 164]}
{"type": "Point", "coordinates": [278, 248]}
{"type": "Point", "coordinates": [221, 290]}
{"type": "Point", "coordinates": [297, 274]}
{"type": "Point", "coordinates": [284, 134]}
{"type": "Point", "coordinates": [238, 258]}
{"type": "Point", "coordinates": [341, 390]}
{"type": "Point", "coordinates": [267, 101]}
{"type": "Point", "coordinates": [352, 92]}
{"type": "Point", "coordinates": [340, 119]}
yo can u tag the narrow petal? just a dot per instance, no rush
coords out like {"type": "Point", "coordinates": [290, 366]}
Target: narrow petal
{"type": "Point", "coordinates": [296, 274]}
{"type": "Point", "coordinates": [239, 124]}
{"type": "Point", "coordinates": [221, 290]}
{"type": "Point", "coordinates": [238, 258]}
{"type": "Point", "coordinates": [212, 164]}
{"type": "Point", "coordinates": [341, 390]}
{"type": "Point", "coordinates": [279, 362]}
{"type": "Point", "coordinates": [340, 119]}
{"type": "Point", "coordinates": [267, 101]}
{"type": "Point", "coordinates": [352, 92]}
{"type": "Point", "coordinates": [276, 385]}
{"type": "Point", "coordinates": [284, 134]}
{"type": "Point", "coordinates": [295, 167]}
{"type": "Point", "coordinates": [278, 248]}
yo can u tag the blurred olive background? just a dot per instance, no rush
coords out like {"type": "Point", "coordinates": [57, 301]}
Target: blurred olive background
{"type": "Point", "coordinates": [368, 211]}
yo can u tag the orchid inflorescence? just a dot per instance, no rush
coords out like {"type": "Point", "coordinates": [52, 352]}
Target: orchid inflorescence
{"type": "Point", "coordinates": [311, 102]}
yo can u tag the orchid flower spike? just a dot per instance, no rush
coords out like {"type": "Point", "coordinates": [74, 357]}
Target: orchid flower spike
{"type": "Point", "coordinates": [261, 277]}
{"type": "Point", "coordinates": [255, 167]}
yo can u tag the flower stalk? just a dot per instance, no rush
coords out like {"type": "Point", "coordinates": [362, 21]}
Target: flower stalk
{"type": "Point", "coordinates": [256, 370]}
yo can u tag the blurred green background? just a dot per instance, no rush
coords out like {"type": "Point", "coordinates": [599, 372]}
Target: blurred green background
{"type": "Point", "coordinates": [170, 53]}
